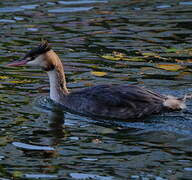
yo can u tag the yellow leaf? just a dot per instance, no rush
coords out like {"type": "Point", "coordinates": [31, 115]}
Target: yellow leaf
{"type": "Point", "coordinates": [111, 57]}
{"type": "Point", "coordinates": [115, 55]}
{"type": "Point", "coordinates": [98, 73]}
{"type": "Point", "coordinates": [170, 67]}
{"type": "Point", "coordinates": [134, 59]}
{"type": "Point", "coordinates": [20, 81]}
{"type": "Point", "coordinates": [4, 77]}
{"type": "Point", "coordinates": [121, 56]}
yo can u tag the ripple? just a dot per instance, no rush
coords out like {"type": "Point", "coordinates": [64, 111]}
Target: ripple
{"type": "Point", "coordinates": [74, 138]}
{"type": "Point", "coordinates": [37, 176]}
{"type": "Point", "coordinates": [19, 18]}
{"type": "Point", "coordinates": [33, 29]}
{"type": "Point", "coordinates": [2, 157]}
{"type": "Point", "coordinates": [188, 169]}
{"type": "Point", "coordinates": [32, 147]}
{"type": "Point", "coordinates": [186, 3]}
{"type": "Point", "coordinates": [155, 31]}
{"type": "Point", "coordinates": [89, 159]}
{"type": "Point", "coordinates": [163, 6]}
{"type": "Point", "coordinates": [89, 176]}
{"type": "Point", "coordinates": [74, 9]}
{"type": "Point", "coordinates": [7, 21]}
{"type": "Point", "coordinates": [33, 6]}
{"type": "Point", "coordinates": [80, 2]}
{"type": "Point", "coordinates": [10, 9]}
{"type": "Point", "coordinates": [19, 8]}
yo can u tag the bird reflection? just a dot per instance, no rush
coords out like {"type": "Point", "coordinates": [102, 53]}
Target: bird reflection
{"type": "Point", "coordinates": [56, 125]}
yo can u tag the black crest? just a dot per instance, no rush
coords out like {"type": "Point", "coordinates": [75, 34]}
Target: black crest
{"type": "Point", "coordinates": [42, 48]}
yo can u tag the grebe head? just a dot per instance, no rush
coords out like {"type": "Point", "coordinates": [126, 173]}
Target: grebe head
{"type": "Point", "coordinates": [38, 56]}
{"type": "Point", "coordinates": [43, 56]}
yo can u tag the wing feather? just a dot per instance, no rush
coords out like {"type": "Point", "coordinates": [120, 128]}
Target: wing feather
{"type": "Point", "coordinates": [117, 101]}
{"type": "Point", "coordinates": [124, 95]}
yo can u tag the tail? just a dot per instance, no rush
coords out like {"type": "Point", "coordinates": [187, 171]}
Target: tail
{"type": "Point", "coordinates": [187, 96]}
{"type": "Point", "coordinates": [174, 103]}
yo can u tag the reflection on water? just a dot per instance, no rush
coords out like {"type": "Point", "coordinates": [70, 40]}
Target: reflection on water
{"type": "Point", "coordinates": [32, 147]}
{"type": "Point", "coordinates": [138, 42]}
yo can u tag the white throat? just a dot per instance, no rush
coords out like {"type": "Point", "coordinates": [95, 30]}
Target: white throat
{"type": "Point", "coordinates": [53, 81]}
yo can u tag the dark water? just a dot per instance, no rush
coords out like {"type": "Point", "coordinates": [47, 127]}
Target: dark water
{"type": "Point", "coordinates": [136, 41]}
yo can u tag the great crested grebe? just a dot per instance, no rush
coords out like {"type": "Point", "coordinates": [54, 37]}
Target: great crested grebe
{"type": "Point", "coordinates": [108, 101]}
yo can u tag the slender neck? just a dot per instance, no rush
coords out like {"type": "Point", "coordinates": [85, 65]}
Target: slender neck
{"type": "Point", "coordinates": [58, 89]}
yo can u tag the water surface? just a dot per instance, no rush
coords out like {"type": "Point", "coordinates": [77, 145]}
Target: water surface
{"type": "Point", "coordinates": [136, 42]}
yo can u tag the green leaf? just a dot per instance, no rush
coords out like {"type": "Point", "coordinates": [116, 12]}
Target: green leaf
{"type": "Point", "coordinates": [17, 174]}
{"type": "Point", "coordinates": [149, 54]}
{"type": "Point", "coordinates": [172, 50]}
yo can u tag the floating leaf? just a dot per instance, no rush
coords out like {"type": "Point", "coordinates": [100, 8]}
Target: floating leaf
{"type": "Point", "coordinates": [98, 73]}
{"type": "Point", "coordinates": [4, 140]}
{"type": "Point", "coordinates": [152, 54]}
{"type": "Point", "coordinates": [172, 50]}
{"type": "Point", "coordinates": [146, 68]}
{"type": "Point", "coordinates": [114, 56]}
{"type": "Point", "coordinates": [110, 57]}
{"type": "Point", "coordinates": [19, 120]}
{"type": "Point", "coordinates": [4, 77]}
{"type": "Point", "coordinates": [118, 54]}
{"type": "Point", "coordinates": [134, 59]}
{"type": "Point", "coordinates": [30, 25]}
{"type": "Point", "coordinates": [120, 65]}
{"type": "Point", "coordinates": [93, 66]}
{"type": "Point", "coordinates": [170, 67]}
{"type": "Point", "coordinates": [17, 174]}
{"type": "Point", "coordinates": [184, 75]}
{"type": "Point", "coordinates": [148, 54]}
{"type": "Point", "coordinates": [107, 131]}
{"type": "Point", "coordinates": [20, 81]}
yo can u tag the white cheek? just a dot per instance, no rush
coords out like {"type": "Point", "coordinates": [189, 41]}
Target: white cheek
{"type": "Point", "coordinates": [38, 61]}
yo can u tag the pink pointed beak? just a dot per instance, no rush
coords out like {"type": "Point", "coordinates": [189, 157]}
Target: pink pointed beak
{"type": "Point", "coordinates": [18, 63]}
